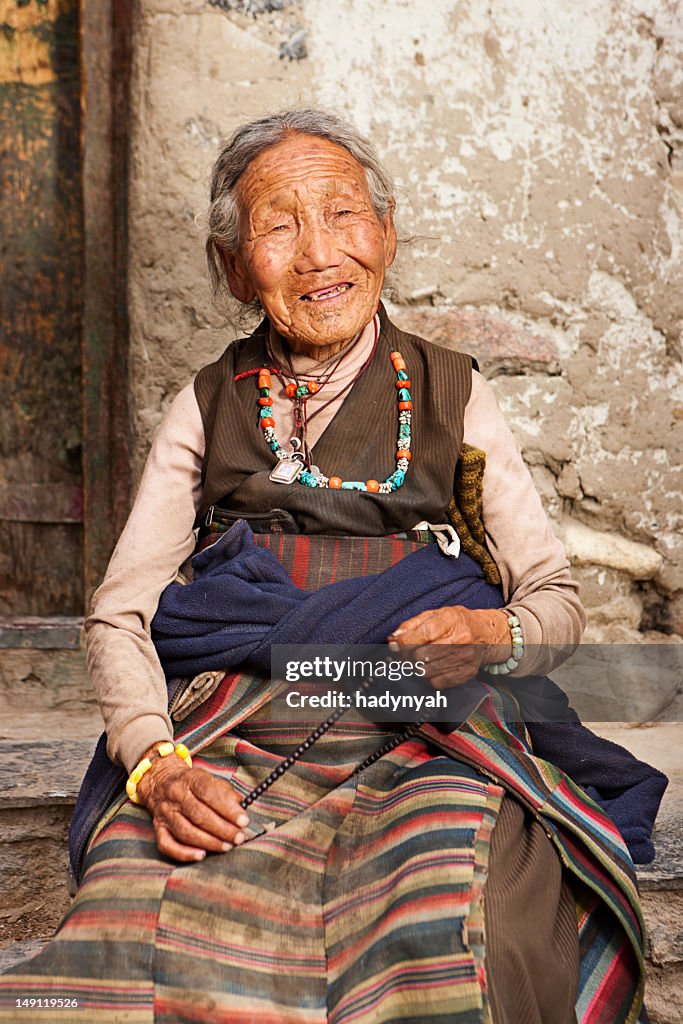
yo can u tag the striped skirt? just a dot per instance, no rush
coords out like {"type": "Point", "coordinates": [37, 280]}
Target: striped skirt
{"type": "Point", "coordinates": [354, 899]}
{"type": "Point", "coordinates": [457, 879]}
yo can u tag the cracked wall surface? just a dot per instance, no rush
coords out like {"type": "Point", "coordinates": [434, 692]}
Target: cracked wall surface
{"type": "Point", "coordinates": [538, 151]}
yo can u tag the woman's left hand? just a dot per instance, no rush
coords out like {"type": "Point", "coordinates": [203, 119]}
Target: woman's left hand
{"type": "Point", "coordinates": [455, 642]}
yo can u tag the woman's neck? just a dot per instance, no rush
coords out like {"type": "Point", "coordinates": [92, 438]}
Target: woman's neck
{"type": "Point", "coordinates": [320, 353]}
{"type": "Point", "coordinates": [309, 356]}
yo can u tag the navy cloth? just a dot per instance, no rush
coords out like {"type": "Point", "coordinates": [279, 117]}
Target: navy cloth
{"type": "Point", "coordinates": [628, 790]}
{"type": "Point", "coordinates": [241, 601]}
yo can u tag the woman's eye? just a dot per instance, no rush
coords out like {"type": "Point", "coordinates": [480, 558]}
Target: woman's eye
{"type": "Point", "coordinates": [280, 227]}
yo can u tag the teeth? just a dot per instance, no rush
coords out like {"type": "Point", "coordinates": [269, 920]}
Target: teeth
{"type": "Point", "coordinates": [328, 293]}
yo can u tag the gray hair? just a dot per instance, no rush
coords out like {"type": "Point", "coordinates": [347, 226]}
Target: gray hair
{"type": "Point", "coordinates": [254, 138]}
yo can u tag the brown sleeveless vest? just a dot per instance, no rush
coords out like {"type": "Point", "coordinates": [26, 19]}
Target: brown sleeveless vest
{"type": "Point", "coordinates": [358, 444]}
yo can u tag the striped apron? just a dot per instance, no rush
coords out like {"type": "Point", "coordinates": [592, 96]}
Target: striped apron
{"type": "Point", "coordinates": [360, 898]}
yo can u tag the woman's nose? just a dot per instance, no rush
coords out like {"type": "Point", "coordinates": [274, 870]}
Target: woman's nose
{"type": "Point", "coordinates": [318, 248]}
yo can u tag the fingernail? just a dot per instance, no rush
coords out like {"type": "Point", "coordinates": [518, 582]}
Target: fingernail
{"type": "Point", "coordinates": [398, 632]}
{"type": "Point", "coordinates": [239, 838]}
{"type": "Point", "coordinates": [200, 855]}
{"type": "Point", "coordinates": [225, 847]}
{"type": "Point", "coordinates": [242, 821]}
{"type": "Point", "coordinates": [394, 647]}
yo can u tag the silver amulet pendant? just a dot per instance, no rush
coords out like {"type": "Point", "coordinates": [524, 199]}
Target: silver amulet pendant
{"type": "Point", "coordinates": [289, 468]}
{"type": "Point", "coordinates": [286, 471]}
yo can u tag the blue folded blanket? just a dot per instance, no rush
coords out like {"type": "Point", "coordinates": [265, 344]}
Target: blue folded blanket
{"type": "Point", "coordinates": [242, 601]}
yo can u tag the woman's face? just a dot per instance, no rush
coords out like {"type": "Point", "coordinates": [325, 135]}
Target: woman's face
{"type": "Point", "coordinates": [312, 249]}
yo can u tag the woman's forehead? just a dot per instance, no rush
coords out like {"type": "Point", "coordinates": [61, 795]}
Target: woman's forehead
{"type": "Point", "coordinates": [298, 166]}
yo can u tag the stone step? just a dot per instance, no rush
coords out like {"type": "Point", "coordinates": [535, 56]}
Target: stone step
{"type": "Point", "coordinates": [39, 782]}
{"type": "Point", "coordinates": [48, 728]}
{"type": "Point", "coordinates": [661, 745]}
{"type": "Point", "coordinates": [19, 953]}
{"type": "Point", "coordinates": [42, 679]}
{"type": "Point", "coordinates": [661, 883]}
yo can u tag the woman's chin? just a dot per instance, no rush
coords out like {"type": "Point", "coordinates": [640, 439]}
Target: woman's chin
{"type": "Point", "coordinates": [318, 329]}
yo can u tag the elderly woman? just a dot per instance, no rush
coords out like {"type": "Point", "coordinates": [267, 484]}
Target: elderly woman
{"type": "Point", "coordinates": [455, 877]}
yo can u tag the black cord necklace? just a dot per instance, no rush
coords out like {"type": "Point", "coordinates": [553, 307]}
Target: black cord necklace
{"type": "Point", "coordinates": [300, 392]}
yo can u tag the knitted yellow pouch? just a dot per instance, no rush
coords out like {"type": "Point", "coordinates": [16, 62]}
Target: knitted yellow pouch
{"type": "Point", "coordinates": [465, 508]}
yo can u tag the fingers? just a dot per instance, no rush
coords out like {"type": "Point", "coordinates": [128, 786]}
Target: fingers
{"type": "Point", "coordinates": [447, 665]}
{"type": "Point", "coordinates": [170, 847]}
{"type": "Point", "coordinates": [445, 640]}
{"type": "Point", "coordinates": [219, 796]}
{"type": "Point", "coordinates": [195, 822]}
{"type": "Point", "coordinates": [193, 813]}
{"type": "Point", "coordinates": [192, 826]}
{"type": "Point", "coordinates": [455, 625]}
{"type": "Point", "coordinates": [427, 627]}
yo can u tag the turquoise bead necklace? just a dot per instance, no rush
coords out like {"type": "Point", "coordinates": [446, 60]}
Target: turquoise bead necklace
{"type": "Point", "coordinates": [292, 467]}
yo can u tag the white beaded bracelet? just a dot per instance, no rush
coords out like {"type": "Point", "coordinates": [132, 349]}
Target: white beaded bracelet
{"type": "Point", "coordinates": [503, 667]}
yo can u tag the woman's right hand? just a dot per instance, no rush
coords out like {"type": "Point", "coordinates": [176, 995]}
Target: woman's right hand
{"type": "Point", "coordinates": [192, 811]}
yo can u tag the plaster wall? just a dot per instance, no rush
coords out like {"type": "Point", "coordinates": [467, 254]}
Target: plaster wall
{"type": "Point", "coordinates": [537, 147]}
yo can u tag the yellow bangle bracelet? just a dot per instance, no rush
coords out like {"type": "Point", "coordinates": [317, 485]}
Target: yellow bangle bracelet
{"type": "Point", "coordinates": [144, 765]}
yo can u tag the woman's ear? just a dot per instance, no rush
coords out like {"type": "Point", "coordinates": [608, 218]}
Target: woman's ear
{"type": "Point", "coordinates": [390, 241]}
{"type": "Point", "coordinates": [239, 280]}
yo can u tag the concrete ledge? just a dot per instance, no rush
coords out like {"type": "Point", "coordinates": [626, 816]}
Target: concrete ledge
{"type": "Point", "coordinates": [42, 773]}
{"type": "Point", "coordinates": [39, 782]}
{"type": "Point", "coordinates": [661, 745]}
{"type": "Point", "coordinates": [19, 953]}
{"type": "Point", "coordinates": [661, 883]}
{"type": "Point", "coordinates": [666, 871]}
{"type": "Point", "coordinates": [53, 634]}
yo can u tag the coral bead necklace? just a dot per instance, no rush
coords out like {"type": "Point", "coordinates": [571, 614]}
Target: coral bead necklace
{"type": "Point", "coordinates": [293, 467]}
{"type": "Point", "coordinates": [300, 392]}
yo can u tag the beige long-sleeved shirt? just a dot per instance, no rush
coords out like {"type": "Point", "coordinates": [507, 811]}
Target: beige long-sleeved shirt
{"type": "Point", "coordinates": [158, 537]}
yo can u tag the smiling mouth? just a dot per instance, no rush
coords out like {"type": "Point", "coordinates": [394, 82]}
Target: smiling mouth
{"type": "Point", "coordinates": [327, 293]}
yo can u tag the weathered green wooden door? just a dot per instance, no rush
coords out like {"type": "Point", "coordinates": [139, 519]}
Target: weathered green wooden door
{"type": "Point", "coordinates": [64, 429]}
{"type": "Point", "coordinates": [41, 257]}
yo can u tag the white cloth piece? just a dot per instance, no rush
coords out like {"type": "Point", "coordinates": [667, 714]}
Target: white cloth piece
{"type": "Point", "coordinates": [445, 536]}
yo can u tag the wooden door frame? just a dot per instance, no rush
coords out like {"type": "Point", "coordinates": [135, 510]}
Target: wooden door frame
{"type": "Point", "coordinates": [106, 64]}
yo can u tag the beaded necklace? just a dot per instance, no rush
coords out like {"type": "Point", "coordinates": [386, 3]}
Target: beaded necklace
{"type": "Point", "coordinates": [299, 392]}
{"type": "Point", "coordinates": [292, 467]}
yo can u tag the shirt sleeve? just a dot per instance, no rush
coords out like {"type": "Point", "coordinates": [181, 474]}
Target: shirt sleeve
{"type": "Point", "coordinates": [536, 580]}
{"type": "Point", "coordinates": [126, 673]}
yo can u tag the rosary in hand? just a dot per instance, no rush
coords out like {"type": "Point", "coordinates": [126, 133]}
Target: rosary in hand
{"type": "Point", "coordinates": [314, 736]}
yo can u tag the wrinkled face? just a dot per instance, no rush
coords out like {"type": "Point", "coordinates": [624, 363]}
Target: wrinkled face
{"type": "Point", "coordinates": [312, 248]}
